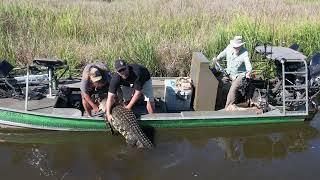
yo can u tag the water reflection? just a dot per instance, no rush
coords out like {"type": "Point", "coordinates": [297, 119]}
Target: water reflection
{"type": "Point", "coordinates": [231, 147]}
{"type": "Point", "coordinates": [268, 146]}
{"type": "Point", "coordinates": [58, 155]}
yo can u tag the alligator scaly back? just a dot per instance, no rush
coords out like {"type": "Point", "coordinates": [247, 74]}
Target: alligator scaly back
{"type": "Point", "coordinates": [126, 123]}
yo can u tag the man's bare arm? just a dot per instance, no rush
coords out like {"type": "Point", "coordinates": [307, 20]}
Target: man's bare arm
{"type": "Point", "coordinates": [87, 97]}
{"type": "Point", "coordinates": [134, 99]}
{"type": "Point", "coordinates": [109, 103]}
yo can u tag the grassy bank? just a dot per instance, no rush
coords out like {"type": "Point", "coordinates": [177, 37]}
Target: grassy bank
{"type": "Point", "coordinates": [161, 34]}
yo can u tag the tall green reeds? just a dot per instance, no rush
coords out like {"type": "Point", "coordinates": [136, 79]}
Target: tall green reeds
{"type": "Point", "coordinates": [161, 34]}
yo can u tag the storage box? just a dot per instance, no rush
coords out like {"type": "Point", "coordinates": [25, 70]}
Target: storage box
{"type": "Point", "coordinates": [176, 100]}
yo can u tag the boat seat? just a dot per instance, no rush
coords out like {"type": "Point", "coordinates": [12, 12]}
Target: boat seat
{"type": "Point", "coordinates": [50, 63]}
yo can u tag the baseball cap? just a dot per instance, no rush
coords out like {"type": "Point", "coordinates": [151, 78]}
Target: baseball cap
{"type": "Point", "coordinates": [95, 75]}
{"type": "Point", "coordinates": [120, 64]}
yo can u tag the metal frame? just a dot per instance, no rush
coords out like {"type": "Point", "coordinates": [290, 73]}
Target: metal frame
{"type": "Point", "coordinates": [304, 86]}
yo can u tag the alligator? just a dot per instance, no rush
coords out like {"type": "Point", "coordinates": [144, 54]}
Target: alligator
{"type": "Point", "coordinates": [125, 122]}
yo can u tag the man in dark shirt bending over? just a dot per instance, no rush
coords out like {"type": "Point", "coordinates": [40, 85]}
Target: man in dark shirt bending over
{"type": "Point", "coordinates": [130, 77]}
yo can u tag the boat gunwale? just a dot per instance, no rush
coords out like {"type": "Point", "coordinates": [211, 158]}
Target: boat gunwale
{"type": "Point", "coordinates": [145, 118]}
{"type": "Point", "coordinates": [47, 122]}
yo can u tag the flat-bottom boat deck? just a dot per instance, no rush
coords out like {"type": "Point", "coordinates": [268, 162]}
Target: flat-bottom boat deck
{"type": "Point", "coordinates": [49, 113]}
{"type": "Point", "coordinates": [47, 106]}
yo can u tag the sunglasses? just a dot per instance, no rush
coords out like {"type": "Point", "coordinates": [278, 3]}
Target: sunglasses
{"type": "Point", "coordinates": [121, 70]}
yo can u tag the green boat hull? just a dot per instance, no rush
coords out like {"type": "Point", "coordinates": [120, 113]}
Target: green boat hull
{"type": "Point", "coordinates": [44, 121]}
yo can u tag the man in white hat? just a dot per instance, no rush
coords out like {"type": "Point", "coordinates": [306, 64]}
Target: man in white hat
{"type": "Point", "coordinates": [238, 66]}
{"type": "Point", "coordinates": [95, 80]}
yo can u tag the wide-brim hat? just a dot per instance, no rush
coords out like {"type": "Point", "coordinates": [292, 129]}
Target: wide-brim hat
{"type": "Point", "coordinates": [237, 41]}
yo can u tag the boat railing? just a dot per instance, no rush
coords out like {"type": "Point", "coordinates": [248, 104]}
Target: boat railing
{"type": "Point", "coordinates": [302, 87]}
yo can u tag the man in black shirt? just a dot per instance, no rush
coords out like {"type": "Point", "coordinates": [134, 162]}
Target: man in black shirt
{"type": "Point", "coordinates": [130, 77]}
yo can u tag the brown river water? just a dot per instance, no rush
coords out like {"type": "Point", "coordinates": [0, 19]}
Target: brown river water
{"type": "Point", "coordinates": [264, 152]}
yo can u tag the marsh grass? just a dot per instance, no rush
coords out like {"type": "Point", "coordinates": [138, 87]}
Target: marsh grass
{"type": "Point", "coordinates": [160, 34]}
